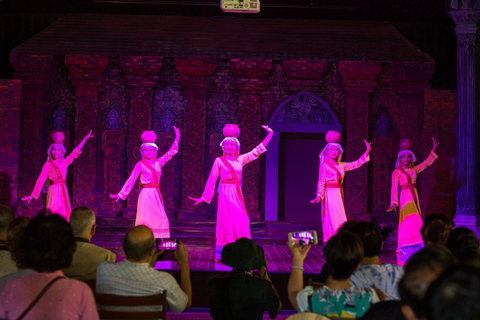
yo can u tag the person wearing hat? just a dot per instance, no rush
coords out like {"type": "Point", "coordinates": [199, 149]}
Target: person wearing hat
{"type": "Point", "coordinates": [54, 174]}
{"type": "Point", "coordinates": [404, 177]}
{"type": "Point", "coordinates": [232, 218]}
{"type": "Point", "coordinates": [150, 207]}
{"type": "Point", "coordinates": [330, 182]}
{"type": "Point", "coordinates": [243, 295]}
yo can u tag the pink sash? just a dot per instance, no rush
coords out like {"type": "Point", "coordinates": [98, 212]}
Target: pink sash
{"type": "Point", "coordinates": [234, 180]}
{"type": "Point", "coordinates": [155, 184]}
{"type": "Point", "coordinates": [63, 186]}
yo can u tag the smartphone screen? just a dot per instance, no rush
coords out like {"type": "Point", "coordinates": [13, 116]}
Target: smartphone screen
{"type": "Point", "coordinates": [303, 237]}
{"type": "Point", "coordinates": [166, 244]}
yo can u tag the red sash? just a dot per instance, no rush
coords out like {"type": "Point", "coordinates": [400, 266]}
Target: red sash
{"type": "Point", "coordinates": [234, 180]}
{"type": "Point", "coordinates": [63, 186]}
{"type": "Point", "coordinates": [155, 184]}
{"type": "Point", "coordinates": [410, 186]}
{"type": "Point", "coordinates": [339, 179]}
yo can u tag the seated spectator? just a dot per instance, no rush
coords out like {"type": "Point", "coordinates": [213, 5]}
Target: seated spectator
{"type": "Point", "coordinates": [47, 246]}
{"type": "Point", "coordinates": [136, 277]}
{"type": "Point", "coordinates": [337, 298]}
{"type": "Point", "coordinates": [455, 294]}
{"type": "Point", "coordinates": [463, 243]}
{"type": "Point", "coordinates": [7, 265]}
{"type": "Point", "coordinates": [421, 270]}
{"type": "Point", "coordinates": [385, 310]}
{"type": "Point", "coordinates": [243, 295]}
{"type": "Point", "coordinates": [87, 256]}
{"type": "Point", "coordinates": [371, 271]}
{"type": "Point", "coordinates": [14, 232]}
{"type": "Point", "coordinates": [437, 232]}
{"type": "Point", "coordinates": [431, 218]}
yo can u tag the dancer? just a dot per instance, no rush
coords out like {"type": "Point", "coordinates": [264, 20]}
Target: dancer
{"type": "Point", "coordinates": [150, 208]}
{"type": "Point", "coordinates": [405, 176]}
{"type": "Point", "coordinates": [54, 174]}
{"type": "Point", "coordinates": [330, 182]}
{"type": "Point", "coordinates": [232, 219]}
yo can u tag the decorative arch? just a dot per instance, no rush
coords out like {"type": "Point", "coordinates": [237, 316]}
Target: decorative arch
{"type": "Point", "coordinates": [302, 112]}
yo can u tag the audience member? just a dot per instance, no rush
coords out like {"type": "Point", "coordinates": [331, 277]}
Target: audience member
{"type": "Point", "coordinates": [371, 271]}
{"type": "Point", "coordinates": [455, 294]}
{"type": "Point", "coordinates": [136, 277]}
{"type": "Point", "coordinates": [337, 298]}
{"type": "Point", "coordinates": [463, 243]}
{"type": "Point", "coordinates": [7, 265]}
{"type": "Point", "coordinates": [14, 232]}
{"type": "Point", "coordinates": [391, 310]}
{"type": "Point", "coordinates": [429, 218]}
{"type": "Point", "coordinates": [421, 270]}
{"type": "Point", "coordinates": [46, 246]}
{"type": "Point", "coordinates": [437, 232]}
{"type": "Point", "coordinates": [87, 256]}
{"type": "Point", "coordinates": [243, 295]}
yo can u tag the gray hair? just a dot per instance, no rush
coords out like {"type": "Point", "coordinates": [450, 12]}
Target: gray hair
{"type": "Point", "coordinates": [82, 219]}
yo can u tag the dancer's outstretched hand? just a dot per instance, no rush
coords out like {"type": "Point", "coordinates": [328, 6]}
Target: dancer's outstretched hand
{"type": "Point", "coordinates": [393, 208]}
{"type": "Point", "coordinates": [28, 199]}
{"type": "Point", "coordinates": [435, 144]}
{"type": "Point", "coordinates": [317, 199]}
{"type": "Point", "coordinates": [368, 145]}
{"type": "Point", "coordinates": [89, 135]}
{"type": "Point", "coordinates": [266, 127]}
{"type": "Point", "coordinates": [115, 196]}
{"type": "Point", "coordinates": [197, 200]}
{"type": "Point", "coordinates": [177, 132]}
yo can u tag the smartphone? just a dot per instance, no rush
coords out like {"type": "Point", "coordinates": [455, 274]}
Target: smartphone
{"type": "Point", "coordinates": [300, 238]}
{"type": "Point", "coordinates": [166, 244]}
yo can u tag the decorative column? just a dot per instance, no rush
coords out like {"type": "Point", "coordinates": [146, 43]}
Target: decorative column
{"type": "Point", "coordinates": [250, 82]}
{"type": "Point", "coordinates": [304, 75]}
{"type": "Point", "coordinates": [86, 74]}
{"type": "Point", "coordinates": [141, 76]}
{"type": "Point", "coordinates": [465, 14]}
{"type": "Point", "coordinates": [358, 82]}
{"type": "Point", "coordinates": [33, 71]}
{"type": "Point", "coordinates": [195, 79]}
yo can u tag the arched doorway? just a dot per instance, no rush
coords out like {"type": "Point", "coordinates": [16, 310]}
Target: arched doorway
{"type": "Point", "coordinates": [299, 124]}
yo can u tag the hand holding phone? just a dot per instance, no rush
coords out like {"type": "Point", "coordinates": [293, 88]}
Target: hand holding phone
{"type": "Point", "coordinates": [302, 238]}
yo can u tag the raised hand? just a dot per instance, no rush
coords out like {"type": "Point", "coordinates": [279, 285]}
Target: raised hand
{"type": "Point", "coordinates": [368, 145]}
{"type": "Point", "coordinates": [89, 135]}
{"type": "Point", "coordinates": [393, 208]}
{"type": "Point", "coordinates": [177, 132]}
{"type": "Point", "coordinates": [28, 199]}
{"type": "Point", "coordinates": [115, 196]}
{"type": "Point", "coordinates": [435, 143]}
{"type": "Point", "coordinates": [197, 200]}
{"type": "Point", "coordinates": [266, 127]}
{"type": "Point", "coordinates": [298, 252]}
{"type": "Point", "coordinates": [317, 199]}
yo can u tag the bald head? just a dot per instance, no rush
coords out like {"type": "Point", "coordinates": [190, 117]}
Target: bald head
{"type": "Point", "coordinates": [138, 243]}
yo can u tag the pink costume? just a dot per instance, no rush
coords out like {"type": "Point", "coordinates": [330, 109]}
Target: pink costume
{"type": "Point", "coordinates": [410, 219]}
{"type": "Point", "coordinates": [232, 219]}
{"type": "Point", "coordinates": [57, 195]}
{"type": "Point", "coordinates": [150, 208]}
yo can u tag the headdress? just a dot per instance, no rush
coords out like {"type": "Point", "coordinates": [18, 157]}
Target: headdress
{"type": "Point", "coordinates": [333, 139]}
{"type": "Point", "coordinates": [231, 132]}
{"type": "Point", "coordinates": [405, 146]}
{"type": "Point", "coordinates": [148, 139]}
{"type": "Point", "coordinates": [243, 254]}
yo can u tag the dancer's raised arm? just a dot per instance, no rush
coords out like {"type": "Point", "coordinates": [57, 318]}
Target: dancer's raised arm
{"type": "Point", "coordinates": [269, 135]}
{"type": "Point", "coordinates": [82, 143]}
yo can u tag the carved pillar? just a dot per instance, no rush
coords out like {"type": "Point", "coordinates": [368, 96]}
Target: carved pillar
{"type": "Point", "coordinates": [33, 71]}
{"type": "Point", "coordinates": [466, 14]}
{"type": "Point", "coordinates": [195, 79]}
{"type": "Point", "coordinates": [250, 82]}
{"type": "Point", "coordinates": [358, 82]}
{"type": "Point", "coordinates": [112, 144]}
{"type": "Point", "coordinates": [141, 76]}
{"type": "Point", "coordinates": [304, 75]}
{"type": "Point", "coordinates": [86, 74]}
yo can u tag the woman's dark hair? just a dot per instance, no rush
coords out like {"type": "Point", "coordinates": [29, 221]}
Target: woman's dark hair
{"type": "Point", "coordinates": [14, 233]}
{"type": "Point", "coordinates": [371, 236]}
{"type": "Point", "coordinates": [343, 253]}
{"type": "Point", "coordinates": [464, 244]}
{"type": "Point", "coordinates": [46, 244]}
{"type": "Point", "coordinates": [431, 218]}
{"type": "Point", "coordinates": [437, 232]}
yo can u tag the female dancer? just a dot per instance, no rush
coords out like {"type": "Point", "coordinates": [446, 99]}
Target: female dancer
{"type": "Point", "coordinates": [55, 170]}
{"type": "Point", "coordinates": [232, 219]}
{"type": "Point", "coordinates": [150, 208]}
{"type": "Point", "coordinates": [330, 183]}
{"type": "Point", "coordinates": [405, 176]}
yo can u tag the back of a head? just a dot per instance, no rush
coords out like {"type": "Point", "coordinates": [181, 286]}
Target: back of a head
{"type": "Point", "coordinates": [371, 236]}
{"type": "Point", "coordinates": [464, 244]}
{"type": "Point", "coordinates": [6, 217]}
{"type": "Point", "coordinates": [343, 253]}
{"type": "Point", "coordinates": [391, 310]}
{"type": "Point", "coordinates": [455, 294]}
{"type": "Point", "coordinates": [14, 233]}
{"type": "Point", "coordinates": [82, 219]}
{"type": "Point", "coordinates": [437, 232]}
{"type": "Point", "coordinates": [46, 244]}
{"type": "Point", "coordinates": [138, 243]}
{"type": "Point", "coordinates": [431, 218]}
{"type": "Point", "coordinates": [348, 226]}
{"type": "Point", "coordinates": [421, 270]}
